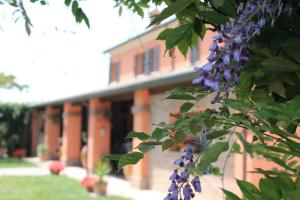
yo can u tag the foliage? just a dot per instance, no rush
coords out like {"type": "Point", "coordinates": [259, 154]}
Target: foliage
{"type": "Point", "coordinates": [45, 188]}
{"type": "Point", "coordinates": [42, 150]}
{"type": "Point", "coordinates": [9, 81]}
{"type": "Point", "coordinates": [21, 12]}
{"type": "Point", "coordinates": [266, 103]}
{"type": "Point", "coordinates": [15, 126]}
{"type": "Point", "coordinates": [103, 167]}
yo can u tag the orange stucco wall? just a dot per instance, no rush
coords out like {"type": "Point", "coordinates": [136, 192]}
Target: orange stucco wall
{"type": "Point", "coordinates": [98, 131]}
{"type": "Point", "coordinates": [71, 134]}
{"type": "Point", "coordinates": [141, 123]}
{"type": "Point", "coordinates": [52, 130]}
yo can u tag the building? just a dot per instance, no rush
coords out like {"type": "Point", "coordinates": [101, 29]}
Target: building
{"type": "Point", "coordinates": [140, 75]}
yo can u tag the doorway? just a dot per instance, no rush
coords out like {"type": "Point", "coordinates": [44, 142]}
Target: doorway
{"type": "Point", "coordinates": [121, 125]}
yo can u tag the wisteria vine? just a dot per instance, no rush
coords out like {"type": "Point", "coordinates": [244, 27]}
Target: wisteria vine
{"type": "Point", "coordinates": [229, 55]}
{"type": "Point", "coordinates": [180, 178]}
{"type": "Point", "coordinates": [230, 46]}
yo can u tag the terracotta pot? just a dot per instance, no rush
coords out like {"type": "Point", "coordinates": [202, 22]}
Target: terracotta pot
{"type": "Point", "coordinates": [83, 157]}
{"type": "Point", "coordinates": [127, 171]}
{"type": "Point", "coordinates": [100, 188]}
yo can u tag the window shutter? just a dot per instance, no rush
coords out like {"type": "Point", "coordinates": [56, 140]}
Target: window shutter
{"type": "Point", "coordinates": [194, 54]}
{"type": "Point", "coordinates": [110, 72]}
{"type": "Point", "coordinates": [147, 62]}
{"type": "Point", "coordinates": [156, 59]}
{"type": "Point", "coordinates": [117, 71]}
{"type": "Point", "coordinates": [135, 64]}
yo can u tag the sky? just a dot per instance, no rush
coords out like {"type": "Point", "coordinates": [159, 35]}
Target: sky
{"type": "Point", "coordinates": [61, 58]}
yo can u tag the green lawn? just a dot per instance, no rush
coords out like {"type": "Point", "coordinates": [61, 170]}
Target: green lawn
{"type": "Point", "coordinates": [44, 188]}
{"type": "Point", "coordinates": [14, 162]}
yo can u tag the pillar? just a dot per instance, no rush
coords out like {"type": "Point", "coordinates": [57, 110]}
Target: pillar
{"type": "Point", "coordinates": [52, 130]}
{"type": "Point", "coordinates": [98, 131]}
{"type": "Point", "coordinates": [34, 132]}
{"type": "Point", "coordinates": [141, 123]}
{"type": "Point", "coordinates": [71, 141]}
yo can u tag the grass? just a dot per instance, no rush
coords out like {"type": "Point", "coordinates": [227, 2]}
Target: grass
{"type": "Point", "coordinates": [14, 162]}
{"type": "Point", "coordinates": [44, 188]}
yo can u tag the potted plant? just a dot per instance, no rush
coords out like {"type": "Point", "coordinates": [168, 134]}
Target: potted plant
{"type": "Point", "coordinates": [84, 150]}
{"type": "Point", "coordinates": [103, 168]}
{"type": "Point", "coordinates": [42, 151]}
{"type": "Point", "coordinates": [87, 182]}
{"type": "Point", "coordinates": [56, 167]}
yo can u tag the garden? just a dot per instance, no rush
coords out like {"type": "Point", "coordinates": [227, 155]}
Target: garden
{"type": "Point", "coordinates": [252, 77]}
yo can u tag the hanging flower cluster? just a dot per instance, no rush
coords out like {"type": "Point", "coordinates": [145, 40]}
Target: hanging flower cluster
{"type": "Point", "coordinates": [230, 47]}
{"type": "Point", "coordinates": [180, 177]}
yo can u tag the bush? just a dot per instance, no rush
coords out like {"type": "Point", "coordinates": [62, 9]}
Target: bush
{"type": "Point", "coordinates": [15, 126]}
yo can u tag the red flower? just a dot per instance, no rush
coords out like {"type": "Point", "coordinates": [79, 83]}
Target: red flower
{"type": "Point", "coordinates": [56, 167]}
{"type": "Point", "coordinates": [87, 182]}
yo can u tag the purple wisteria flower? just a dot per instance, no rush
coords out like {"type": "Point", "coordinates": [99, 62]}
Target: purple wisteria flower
{"type": "Point", "coordinates": [230, 46]}
{"type": "Point", "coordinates": [180, 185]}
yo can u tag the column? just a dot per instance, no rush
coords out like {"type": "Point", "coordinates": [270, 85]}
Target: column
{"type": "Point", "coordinates": [52, 129]}
{"type": "Point", "coordinates": [71, 134]}
{"type": "Point", "coordinates": [141, 123]}
{"type": "Point", "coordinates": [98, 131]}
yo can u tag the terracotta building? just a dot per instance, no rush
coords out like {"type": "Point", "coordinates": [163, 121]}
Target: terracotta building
{"type": "Point", "coordinates": [140, 74]}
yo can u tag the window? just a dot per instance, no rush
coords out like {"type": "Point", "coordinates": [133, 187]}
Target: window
{"type": "Point", "coordinates": [147, 58]}
{"type": "Point", "coordinates": [155, 59]}
{"type": "Point", "coordinates": [117, 71]}
{"type": "Point", "coordinates": [150, 61]}
{"type": "Point", "coordinates": [194, 56]}
{"type": "Point", "coordinates": [114, 72]}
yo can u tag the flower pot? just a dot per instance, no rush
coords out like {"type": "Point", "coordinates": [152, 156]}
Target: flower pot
{"type": "Point", "coordinates": [100, 188]}
{"type": "Point", "coordinates": [127, 171]}
{"type": "Point", "coordinates": [83, 157]}
{"type": "Point", "coordinates": [87, 182]}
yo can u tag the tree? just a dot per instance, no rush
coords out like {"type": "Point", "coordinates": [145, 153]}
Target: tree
{"type": "Point", "coordinates": [9, 81]}
{"type": "Point", "coordinates": [255, 55]}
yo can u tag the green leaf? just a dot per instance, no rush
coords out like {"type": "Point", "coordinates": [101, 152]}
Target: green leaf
{"type": "Point", "coordinates": [214, 17]}
{"type": "Point", "coordinates": [278, 88]}
{"type": "Point", "coordinates": [179, 137]}
{"type": "Point", "coordinates": [268, 188]}
{"type": "Point", "coordinates": [178, 34]}
{"type": "Point", "coordinates": [249, 190]}
{"type": "Point", "coordinates": [199, 28]}
{"type": "Point", "coordinates": [181, 97]}
{"type": "Point", "coordinates": [159, 134]}
{"type": "Point", "coordinates": [230, 195]}
{"type": "Point", "coordinates": [215, 134]}
{"type": "Point", "coordinates": [279, 64]}
{"type": "Point", "coordinates": [210, 155]}
{"type": "Point", "coordinates": [130, 159]}
{"type": "Point", "coordinates": [294, 53]}
{"type": "Point", "coordinates": [186, 107]}
{"type": "Point", "coordinates": [147, 146]}
{"type": "Point", "coordinates": [167, 144]}
{"type": "Point", "coordinates": [140, 135]}
{"type": "Point", "coordinates": [114, 156]}
{"type": "Point", "coordinates": [164, 34]}
{"type": "Point", "coordinates": [68, 2]}
{"type": "Point", "coordinates": [74, 7]}
{"type": "Point", "coordinates": [217, 3]}
{"type": "Point", "coordinates": [171, 10]}
{"type": "Point", "coordinates": [183, 47]}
